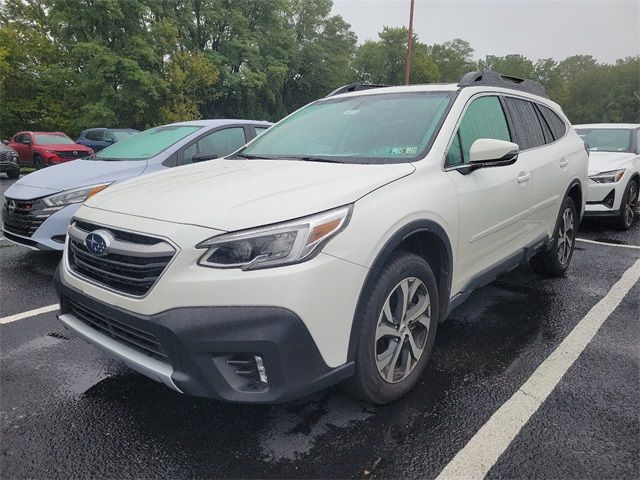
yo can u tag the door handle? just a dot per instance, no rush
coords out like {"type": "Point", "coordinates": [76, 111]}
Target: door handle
{"type": "Point", "coordinates": [564, 161]}
{"type": "Point", "coordinates": [524, 177]}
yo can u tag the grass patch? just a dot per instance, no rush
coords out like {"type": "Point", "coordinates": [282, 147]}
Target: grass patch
{"type": "Point", "coordinates": [26, 170]}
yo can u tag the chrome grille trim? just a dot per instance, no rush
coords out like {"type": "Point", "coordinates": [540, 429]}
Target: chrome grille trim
{"type": "Point", "coordinates": [128, 268]}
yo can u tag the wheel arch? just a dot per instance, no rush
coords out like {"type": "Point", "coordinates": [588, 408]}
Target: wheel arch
{"type": "Point", "coordinates": [576, 193]}
{"type": "Point", "coordinates": [425, 238]}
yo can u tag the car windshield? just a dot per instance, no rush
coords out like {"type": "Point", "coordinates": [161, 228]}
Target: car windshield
{"type": "Point", "coordinates": [147, 144]}
{"type": "Point", "coordinates": [53, 139]}
{"type": "Point", "coordinates": [606, 139]}
{"type": "Point", "coordinates": [122, 134]}
{"type": "Point", "coordinates": [374, 128]}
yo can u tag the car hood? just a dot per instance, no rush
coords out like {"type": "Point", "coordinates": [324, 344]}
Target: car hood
{"type": "Point", "coordinates": [607, 161]}
{"type": "Point", "coordinates": [57, 147]}
{"type": "Point", "coordinates": [237, 194]}
{"type": "Point", "coordinates": [74, 174]}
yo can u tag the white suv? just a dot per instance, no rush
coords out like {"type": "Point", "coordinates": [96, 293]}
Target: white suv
{"type": "Point", "coordinates": [614, 171]}
{"type": "Point", "coordinates": [328, 248]}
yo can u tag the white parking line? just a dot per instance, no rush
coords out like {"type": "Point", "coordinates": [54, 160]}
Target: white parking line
{"type": "Point", "coordinates": [608, 244]}
{"type": "Point", "coordinates": [495, 436]}
{"type": "Point", "coordinates": [30, 313]}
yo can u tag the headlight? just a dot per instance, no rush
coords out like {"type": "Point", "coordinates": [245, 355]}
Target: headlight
{"type": "Point", "coordinates": [608, 177]}
{"type": "Point", "coordinates": [73, 196]}
{"type": "Point", "coordinates": [276, 245]}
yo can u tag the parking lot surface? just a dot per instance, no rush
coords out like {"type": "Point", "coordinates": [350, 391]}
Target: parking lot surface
{"type": "Point", "coordinates": [66, 410]}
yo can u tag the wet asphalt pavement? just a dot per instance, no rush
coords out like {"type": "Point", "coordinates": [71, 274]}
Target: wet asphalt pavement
{"type": "Point", "coordinates": [66, 410]}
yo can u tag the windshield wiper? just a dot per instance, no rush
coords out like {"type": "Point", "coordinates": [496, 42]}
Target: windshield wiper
{"type": "Point", "coordinates": [249, 157]}
{"type": "Point", "coordinates": [309, 158]}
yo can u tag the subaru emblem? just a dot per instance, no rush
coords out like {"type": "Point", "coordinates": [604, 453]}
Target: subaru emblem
{"type": "Point", "coordinates": [98, 242]}
{"type": "Point", "coordinates": [11, 207]}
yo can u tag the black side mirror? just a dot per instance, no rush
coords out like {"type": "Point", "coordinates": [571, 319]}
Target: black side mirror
{"type": "Point", "coordinates": [5, 141]}
{"type": "Point", "coordinates": [201, 157]}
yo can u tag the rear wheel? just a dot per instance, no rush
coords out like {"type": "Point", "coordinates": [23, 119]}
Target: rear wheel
{"type": "Point", "coordinates": [628, 206]}
{"type": "Point", "coordinates": [37, 161]}
{"type": "Point", "coordinates": [398, 327]}
{"type": "Point", "coordinates": [555, 261]}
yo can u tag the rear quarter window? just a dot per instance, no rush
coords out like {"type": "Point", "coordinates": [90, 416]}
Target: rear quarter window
{"type": "Point", "coordinates": [556, 124]}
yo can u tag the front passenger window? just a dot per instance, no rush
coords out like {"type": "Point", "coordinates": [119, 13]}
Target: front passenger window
{"type": "Point", "coordinates": [484, 118]}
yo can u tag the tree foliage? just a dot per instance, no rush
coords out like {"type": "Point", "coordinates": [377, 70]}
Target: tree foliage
{"type": "Point", "coordinates": [68, 65]}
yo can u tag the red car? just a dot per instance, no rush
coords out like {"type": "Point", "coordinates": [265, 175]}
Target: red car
{"type": "Point", "coordinates": [41, 149]}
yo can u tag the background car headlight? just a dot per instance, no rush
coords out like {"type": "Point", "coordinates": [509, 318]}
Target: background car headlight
{"type": "Point", "coordinates": [608, 177]}
{"type": "Point", "coordinates": [280, 244]}
{"type": "Point", "coordinates": [77, 195]}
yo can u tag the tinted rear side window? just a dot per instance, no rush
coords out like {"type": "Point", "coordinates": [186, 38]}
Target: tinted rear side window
{"type": "Point", "coordinates": [557, 125]}
{"type": "Point", "coordinates": [526, 126]}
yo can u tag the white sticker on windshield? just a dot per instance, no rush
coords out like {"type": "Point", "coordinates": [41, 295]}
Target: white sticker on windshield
{"type": "Point", "coordinates": [403, 150]}
{"type": "Point", "coordinates": [351, 112]}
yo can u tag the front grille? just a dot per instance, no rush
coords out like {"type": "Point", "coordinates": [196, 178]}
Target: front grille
{"type": "Point", "coordinates": [130, 267]}
{"type": "Point", "coordinates": [133, 337]}
{"type": "Point", "coordinates": [23, 217]}
{"type": "Point", "coordinates": [73, 154]}
{"type": "Point", "coordinates": [8, 156]}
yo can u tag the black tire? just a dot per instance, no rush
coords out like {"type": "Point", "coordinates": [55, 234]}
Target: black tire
{"type": "Point", "coordinates": [13, 174]}
{"type": "Point", "coordinates": [368, 382]}
{"type": "Point", "coordinates": [628, 206]}
{"type": "Point", "coordinates": [37, 162]}
{"type": "Point", "coordinates": [555, 261]}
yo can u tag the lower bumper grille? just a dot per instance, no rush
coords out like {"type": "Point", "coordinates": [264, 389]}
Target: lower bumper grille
{"type": "Point", "coordinates": [132, 337]}
{"type": "Point", "coordinates": [23, 217]}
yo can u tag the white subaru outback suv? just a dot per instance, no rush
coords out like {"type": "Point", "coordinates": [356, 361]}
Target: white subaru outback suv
{"type": "Point", "coordinates": [328, 249]}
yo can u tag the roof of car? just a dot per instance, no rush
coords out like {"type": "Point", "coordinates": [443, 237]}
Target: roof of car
{"type": "Point", "coordinates": [219, 122]}
{"type": "Point", "coordinates": [608, 125]}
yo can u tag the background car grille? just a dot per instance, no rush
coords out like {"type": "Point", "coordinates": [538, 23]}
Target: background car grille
{"type": "Point", "coordinates": [135, 338]}
{"type": "Point", "coordinates": [133, 270]}
{"type": "Point", "coordinates": [8, 156]}
{"type": "Point", "coordinates": [73, 154]}
{"type": "Point", "coordinates": [26, 217]}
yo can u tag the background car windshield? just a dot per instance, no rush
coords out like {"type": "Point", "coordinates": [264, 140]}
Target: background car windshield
{"type": "Point", "coordinates": [375, 128]}
{"type": "Point", "coordinates": [606, 139]}
{"type": "Point", "coordinates": [147, 144]}
{"type": "Point", "coordinates": [121, 134]}
{"type": "Point", "coordinates": [53, 138]}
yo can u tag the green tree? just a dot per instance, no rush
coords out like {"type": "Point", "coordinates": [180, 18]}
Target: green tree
{"type": "Point", "coordinates": [384, 60]}
{"type": "Point", "coordinates": [453, 59]}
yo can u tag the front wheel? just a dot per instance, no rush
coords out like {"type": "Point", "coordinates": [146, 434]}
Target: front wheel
{"type": "Point", "coordinates": [398, 328]}
{"type": "Point", "coordinates": [37, 161]}
{"type": "Point", "coordinates": [13, 174]}
{"type": "Point", "coordinates": [628, 206]}
{"type": "Point", "coordinates": [555, 261]}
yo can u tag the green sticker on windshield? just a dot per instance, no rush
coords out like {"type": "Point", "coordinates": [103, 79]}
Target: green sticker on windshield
{"type": "Point", "coordinates": [403, 150]}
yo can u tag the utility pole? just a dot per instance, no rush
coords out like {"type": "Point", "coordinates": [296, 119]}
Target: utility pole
{"type": "Point", "coordinates": [407, 70]}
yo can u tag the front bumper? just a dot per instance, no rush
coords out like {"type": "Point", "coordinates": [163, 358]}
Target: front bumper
{"type": "Point", "coordinates": [195, 346]}
{"type": "Point", "coordinates": [51, 233]}
{"type": "Point", "coordinates": [8, 166]}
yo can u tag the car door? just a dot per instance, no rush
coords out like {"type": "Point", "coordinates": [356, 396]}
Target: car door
{"type": "Point", "coordinates": [532, 134]}
{"type": "Point", "coordinates": [493, 203]}
{"type": "Point", "coordinates": [219, 142]}
{"type": "Point", "coordinates": [18, 146]}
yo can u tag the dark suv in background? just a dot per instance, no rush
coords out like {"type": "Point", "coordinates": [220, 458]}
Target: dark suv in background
{"type": "Point", "coordinates": [9, 161]}
{"type": "Point", "coordinates": [99, 138]}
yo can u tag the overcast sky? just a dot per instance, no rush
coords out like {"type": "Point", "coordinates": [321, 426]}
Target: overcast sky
{"type": "Point", "coordinates": [606, 29]}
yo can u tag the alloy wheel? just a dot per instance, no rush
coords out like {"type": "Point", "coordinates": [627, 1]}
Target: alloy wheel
{"type": "Point", "coordinates": [566, 234]}
{"type": "Point", "coordinates": [402, 330]}
{"type": "Point", "coordinates": [632, 204]}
